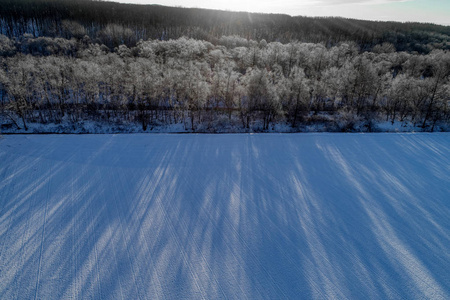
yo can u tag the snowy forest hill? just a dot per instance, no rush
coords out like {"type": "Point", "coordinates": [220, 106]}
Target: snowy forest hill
{"type": "Point", "coordinates": [93, 79]}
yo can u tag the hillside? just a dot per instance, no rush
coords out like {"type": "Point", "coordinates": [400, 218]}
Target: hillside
{"type": "Point", "coordinates": [48, 17]}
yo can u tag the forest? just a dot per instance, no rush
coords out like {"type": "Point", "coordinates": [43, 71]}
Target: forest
{"type": "Point", "coordinates": [70, 62]}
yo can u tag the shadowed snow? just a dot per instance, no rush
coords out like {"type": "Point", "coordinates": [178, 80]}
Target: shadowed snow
{"type": "Point", "coordinates": [313, 216]}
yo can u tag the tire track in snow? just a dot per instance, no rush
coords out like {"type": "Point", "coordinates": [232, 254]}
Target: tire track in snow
{"type": "Point", "coordinates": [81, 229]}
{"type": "Point", "coordinates": [227, 245]}
{"type": "Point", "coordinates": [74, 245]}
{"type": "Point", "coordinates": [25, 244]}
{"type": "Point", "coordinates": [391, 245]}
{"type": "Point", "coordinates": [337, 292]}
{"type": "Point", "coordinates": [25, 258]}
{"type": "Point", "coordinates": [256, 261]}
{"type": "Point", "coordinates": [244, 195]}
{"type": "Point", "coordinates": [142, 192]}
{"type": "Point", "coordinates": [195, 195]}
{"type": "Point", "coordinates": [172, 231]}
{"type": "Point", "coordinates": [43, 236]}
{"type": "Point", "coordinates": [230, 224]}
{"type": "Point", "coordinates": [125, 243]}
{"type": "Point", "coordinates": [110, 235]}
{"type": "Point", "coordinates": [96, 259]}
{"type": "Point", "coordinates": [314, 245]}
{"type": "Point", "coordinates": [87, 273]}
{"type": "Point", "coordinates": [205, 261]}
{"type": "Point", "coordinates": [293, 264]}
{"type": "Point", "coordinates": [108, 240]}
{"type": "Point", "coordinates": [190, 233]}
{"type": "Point", "coordinates": [381, 267]}
{"type": "Point", "coordinates": [15, 262]}
{"type": "Point", "coordinates": [5, 235]}
{"type": "Point", "coordinates": [243, 242]}
{"type": "Point", "coordinates": [5, 179]}
{"type": "Point", "coordinates": [13, 227]}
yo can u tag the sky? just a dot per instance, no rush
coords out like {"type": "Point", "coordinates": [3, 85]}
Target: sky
{"type": "Point", "coordinates": [431, 11]}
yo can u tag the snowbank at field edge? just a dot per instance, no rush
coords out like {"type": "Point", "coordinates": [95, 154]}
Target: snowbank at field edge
{"type": "Point", "coordinates": [93, 127]}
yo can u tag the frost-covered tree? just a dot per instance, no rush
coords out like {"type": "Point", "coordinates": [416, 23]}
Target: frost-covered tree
{"type": "Point", "coordinates": [7, 46]}
{"type": "Point", "coordinates": [440, 66]}
{"type": "Point", "coordinates": [298, 97]}
{"type": "Point", "coordinates": [196, 82]}
{"type": "Point", "coordinates": [20, 86]}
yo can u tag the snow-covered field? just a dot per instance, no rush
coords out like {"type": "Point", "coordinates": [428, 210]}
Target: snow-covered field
{"type": "Point", "coordinates": [269, 216]}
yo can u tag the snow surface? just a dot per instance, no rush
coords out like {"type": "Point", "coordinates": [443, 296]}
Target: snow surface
{"type": "Point", "coordinates": [244, 216]}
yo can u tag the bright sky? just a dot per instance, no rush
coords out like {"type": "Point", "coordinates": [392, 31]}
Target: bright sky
{"type": "Point", "coordinates": [433, 11]}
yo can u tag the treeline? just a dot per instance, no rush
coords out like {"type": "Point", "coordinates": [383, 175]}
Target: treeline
{"type": "Point", "coordinates": [113, 24]}
{"type": "Point", "coordinates": [235, 82]}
